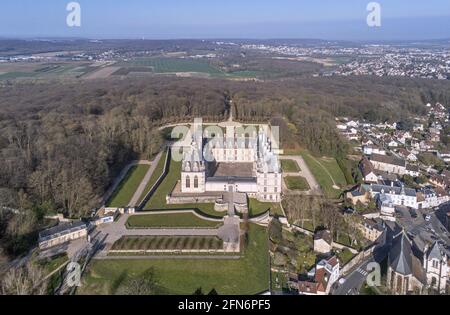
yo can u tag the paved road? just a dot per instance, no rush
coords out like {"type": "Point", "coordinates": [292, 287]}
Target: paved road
{"type": "Point", "coordinates": [355, 280]}
{"type": "Point", "coordinates": [304, 172]}
{"type": "Point", "coordinates": [138, 193]}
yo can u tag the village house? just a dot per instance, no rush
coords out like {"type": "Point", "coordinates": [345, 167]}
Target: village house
{"type": "Point", "coordinates": [389, 164]}
{"type": "Point", "coordinates": [440, 181]}
{"type": "Point", "coordinates": [373, 149]}
{"type": "Point", "coordinates": [371, 229]}
{"type": "Point", "coordinates": [325, 274]}
{"type": "Point", "coordinates": [396, 193]}
{"type": "Point", "coordinates": [357, 196]}
{"type": "Point", "coordinates": [412, 170]}
{"type": "Point", "coordinates": [368, 171]}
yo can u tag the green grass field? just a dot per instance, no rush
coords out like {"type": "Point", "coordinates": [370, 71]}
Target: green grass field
{"type": "Point", "coordinates": [128, 186]}
{"type": "Point", "coordinates": [256, 207]}
{"type": "Point", "coordinates": [296, 183]}
{"type": "Point", "coordinates": [173, 220]}
{"type": "Point", "coordinates": [289, 166]}
{"type": "Point", "coordinates": [319, 171]}
{"type": "Point", "coordinates": [247, 275]}
{"type": "Point", "coordinates": [333, 167]}
{"type": "Point", "coordinates": [156, 174]}
{"type": "Point", "coordinates": [158, 200]}
{"type": "Point", "coordinates": [172, 65]}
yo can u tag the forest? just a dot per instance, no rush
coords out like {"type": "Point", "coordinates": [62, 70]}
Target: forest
{"type": "Point", "coordinates": [63, 142]}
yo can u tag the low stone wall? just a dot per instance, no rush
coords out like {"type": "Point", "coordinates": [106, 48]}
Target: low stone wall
{"type": "Point", "coordinates": [171, 251]}
{"type": "Point", "coordinates": [181, 211]}
{"type": "Point", "coordinates": [158, 181]}
{"type": "Point", "coordinates": [356, 260]}
{"type": "Point", "coordinates": [174, 200]}
{"type": "Point", "coordinates": [342, 246]}
{"type": "Point", "coordinates": [220, 206]}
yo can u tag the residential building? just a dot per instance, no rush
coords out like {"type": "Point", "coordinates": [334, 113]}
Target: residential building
{"type": "Point", "coordinates": [389, 164]}
{"type": "Point", "coordinates": [326, 273]}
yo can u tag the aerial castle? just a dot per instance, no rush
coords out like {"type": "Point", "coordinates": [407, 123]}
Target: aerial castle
{"type": "Point", "coordinates": [243, 160]}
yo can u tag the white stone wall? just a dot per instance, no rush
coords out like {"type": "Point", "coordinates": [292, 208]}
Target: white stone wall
{"type": "Point", "coordinates": [439, 274]}
{"type": "Point", "coordinates": [189, 184]}
{"type": "Point", "coordinates": [269, 186]}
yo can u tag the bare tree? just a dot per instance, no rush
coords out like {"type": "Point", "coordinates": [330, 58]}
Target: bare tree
{"type": "Point", "coordinates": [26, 280]}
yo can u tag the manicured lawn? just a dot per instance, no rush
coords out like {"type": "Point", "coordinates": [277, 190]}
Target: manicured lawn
{"type": "Point", "coordinates": [158, 200]}
{"type": "Point", "coordinates": [257, 207]}
{"type": "Point", "coordinates": [156, 174]}
{"type": "Point", "coordinates": [168, 243]}
{"type": "Point", "coordinates": [289, 166]}
{"type": "Point", "coordinates": [333, 167]}
{"type": "Point", "coordinates": [175, 220]}
{"type": "Point", "coordinates": [296, 183]}
{"type": "Point", "coordinates": [321, 175]}
{"type": "Point", "coordinates": [247, 275]}
{"type": "Point", "coordinates": [128, 186]}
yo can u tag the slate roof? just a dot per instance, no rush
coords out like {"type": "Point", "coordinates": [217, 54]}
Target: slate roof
{"type": "Point", "coordinates": [61, 229]}
{"type": "Point", "coordinates": [387, 159]}
{"type": "Point", "coordinates": [413, 168]}
{"type": "Point", "coordinates": [435, 252]}
{"type": "Point", "coordinates": [393, 190]}
{"type": "Point", "coordinates": [400, 255]}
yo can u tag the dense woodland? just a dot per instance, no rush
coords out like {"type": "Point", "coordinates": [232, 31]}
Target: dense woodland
{"type": "Point", "coordinates": [62, 143]}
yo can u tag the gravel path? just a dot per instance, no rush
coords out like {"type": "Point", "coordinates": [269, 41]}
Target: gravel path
{"type": "Point", "coordinates": [304, 172]}
{"type": "Point", "coordinates": [138, 193]}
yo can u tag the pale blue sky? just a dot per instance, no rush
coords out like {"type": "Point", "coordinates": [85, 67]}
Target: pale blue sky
{"type": "Point", "coordinates": [327, 19]}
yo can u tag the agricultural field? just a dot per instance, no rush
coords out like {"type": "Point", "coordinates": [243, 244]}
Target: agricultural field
{"type": "Point", "coordinates": [172, 65]}
{"type": "Point", "coordinates": [168, 243]}
{"type": "Point", "coordinates": [296, 183]}
{"type": "Point", "coordinates": [289, 166]}
{"type": "Point", "coordinates": [11, 71]}
{"type": "Point", "coordinates": [172, 220]}
{"type": "Point", "coordinates": [248, 274]}
{"type": "Point", "coordinates": [124, 192]}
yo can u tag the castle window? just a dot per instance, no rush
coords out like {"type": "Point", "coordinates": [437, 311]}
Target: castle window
{"type": "Point", "coordinates": [196, 181]}
{"type": "Point", "coordinates": [188, 182]}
